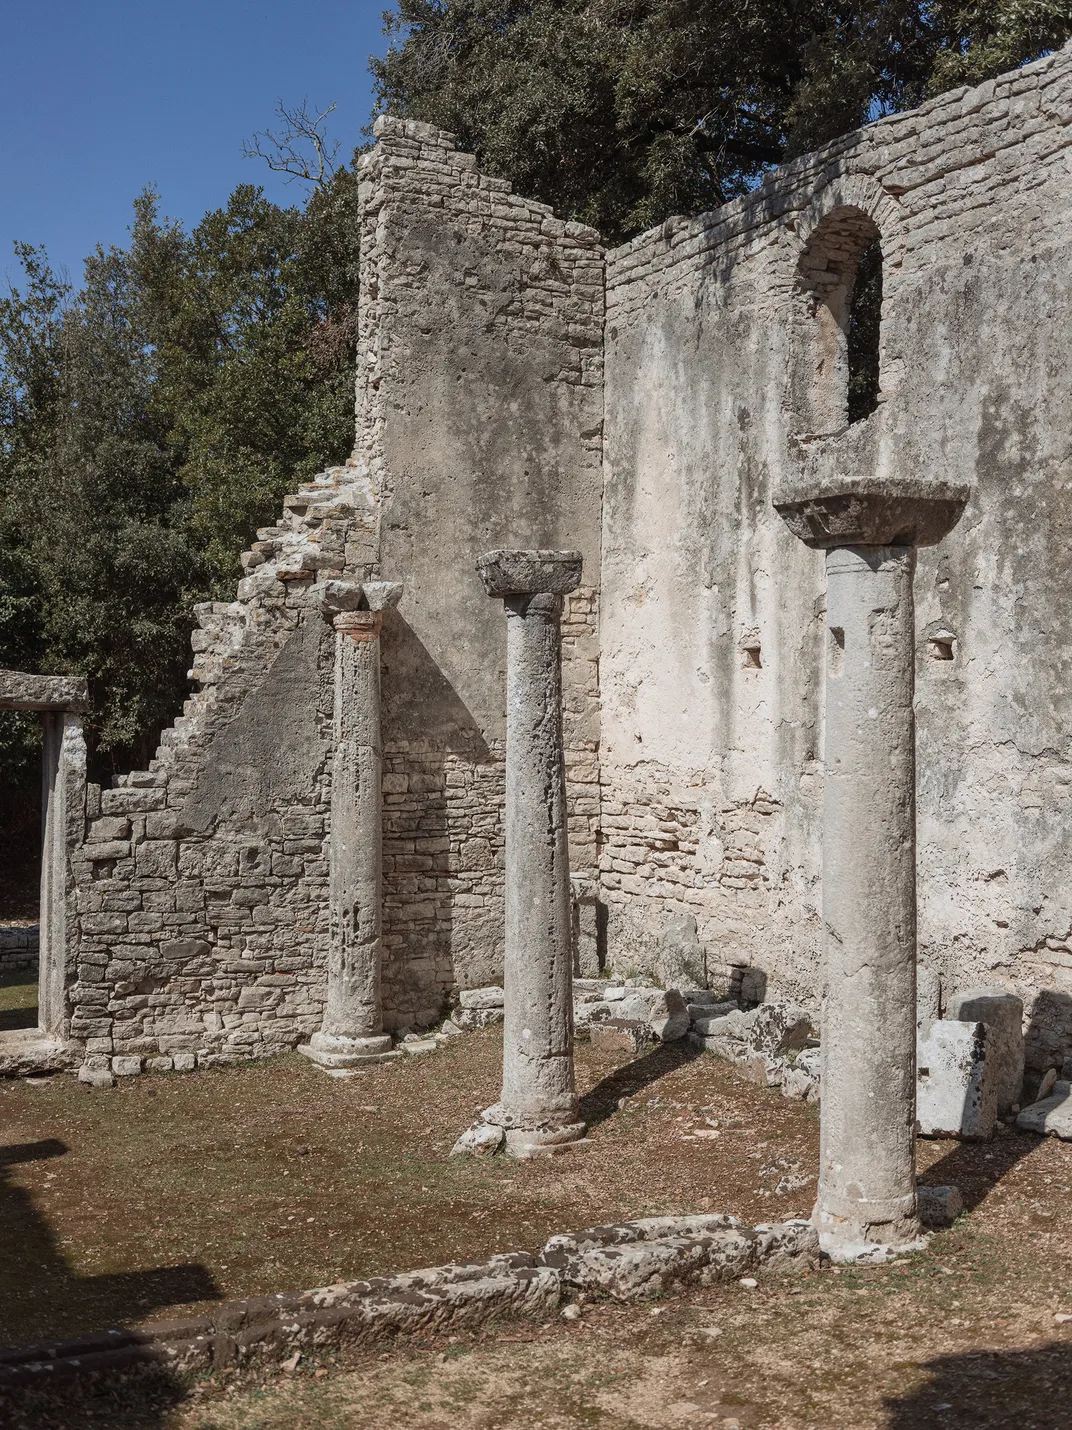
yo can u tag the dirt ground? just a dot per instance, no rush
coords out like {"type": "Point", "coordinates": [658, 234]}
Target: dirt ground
{"type": "Point", "coordinates": [168, 1192]}
{"type": "Point", "coordinates": [18, 1000]}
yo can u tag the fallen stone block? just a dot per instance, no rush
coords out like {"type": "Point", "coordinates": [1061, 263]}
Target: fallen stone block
{"type": "Point", "coordinates": [96, 1077]}
{"type": "Point", "coordinates": [1052, 1116]}
{"type": "Point", "coordinates": [801, 1078]}
{"type": "Point", "coordinates": [1003, 1013]}
{"type": "Point", "coordinates": [416, 1047]}
{"type": "Point", "coordinates": [482, 997]}
{"type": "Point", "coordinates": [939, 1206]}
{"type": "Point", "coordinates": [956, 1089]}
{"type": "Point", "coordinates": [702, 1014]}
{"type": "Point", "coordinates": [621, 1035]}
{"type": "Point", "coordinates": [481, 1139]}
{"type": "Point", "coordinates": [469, 1019]}
{"type": "Point", "coordinates": [668, 1017]}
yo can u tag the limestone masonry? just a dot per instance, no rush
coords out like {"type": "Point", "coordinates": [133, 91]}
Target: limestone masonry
{"type": "Point", "coordinates": [656, 410]}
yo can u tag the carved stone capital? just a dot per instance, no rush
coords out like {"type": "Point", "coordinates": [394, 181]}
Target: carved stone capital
{"type": "Point", "coordinates": [529, 573]}
{"type": "Point", "coordinates": [861, 513]}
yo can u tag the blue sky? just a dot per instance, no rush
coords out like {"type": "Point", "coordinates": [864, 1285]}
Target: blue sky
{"type": "Point", "coordinates": [99, 99]}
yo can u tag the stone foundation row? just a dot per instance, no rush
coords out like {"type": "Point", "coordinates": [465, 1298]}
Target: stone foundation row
{"type": "Point", "coordinates": [649, 1257]}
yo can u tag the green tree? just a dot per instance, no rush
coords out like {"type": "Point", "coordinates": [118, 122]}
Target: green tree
{"type": "Point", "coordinates": [622, 112]}
{"type": "Point", "coordinates": [148, 424]}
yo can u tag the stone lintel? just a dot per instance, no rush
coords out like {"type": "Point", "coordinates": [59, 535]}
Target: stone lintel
{"type": "Point", "coordinates": [901, 513]}
{"type": "Point", "coordinates": [529, 573]}
{"type": "Point", "coordinates": [19, 691]}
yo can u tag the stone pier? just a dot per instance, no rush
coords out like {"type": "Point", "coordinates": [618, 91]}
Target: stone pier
{"type": "Point", "coordinates": [538, 1107]}
{"type": "Point", "coordinates": [867, 1177]}
{"type": "Point", "coordinates": [352, 1031]}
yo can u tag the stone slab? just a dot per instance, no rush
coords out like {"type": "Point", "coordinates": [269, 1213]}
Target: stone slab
{"type": "Point", "coordinates": [20, 691]}
{"type": "Point", "coordinates": [956, 1089]}
{"type": "Point", "coordinates": [1003, 1013]}
{"type": "Point", "coordinates": [1052, 1116]}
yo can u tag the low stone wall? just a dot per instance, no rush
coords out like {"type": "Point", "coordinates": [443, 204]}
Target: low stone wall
{"type": "Point", "coordinates": [641, 1258]}
{"type": "Point", "coordinates": [19, 947]}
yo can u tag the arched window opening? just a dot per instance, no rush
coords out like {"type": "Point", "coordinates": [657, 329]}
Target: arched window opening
{"type": "Point", "coordinates": [865, 317]}
{"type": "Point", "coordinates": [840, 278]}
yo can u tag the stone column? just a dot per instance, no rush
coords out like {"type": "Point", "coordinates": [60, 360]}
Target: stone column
{"type": "Point", "coordinates": [352, 1031]}
{"type": "Point", "coordinates": [538, 1107]}
{"type": "Point", "coordinates": [867, 1176]}
{"type": "Point", "coordinates": [63, 807]}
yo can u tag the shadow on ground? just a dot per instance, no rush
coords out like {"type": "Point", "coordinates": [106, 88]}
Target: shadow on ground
{"type": "Point", "coordinates": [35, 1266]}
{"type": "Point", "coordinates": [984, 1390]}
{"type": "Point", "coordinates": [602, 1101]}
{"type": "Point", "coordinates": [976, 1168]}
{"type": "Point", "coordinates": [141, 1398]}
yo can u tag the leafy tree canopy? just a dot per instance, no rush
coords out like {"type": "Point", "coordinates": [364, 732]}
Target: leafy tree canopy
{"type": "Point", "coordinates": [148, 424]}
{"type": "Point", "coordinates": [622, 112]}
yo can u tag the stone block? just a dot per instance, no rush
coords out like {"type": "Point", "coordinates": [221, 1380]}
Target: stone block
{"type": "Point", "coordinates": [126, 1066]}
{"type": "Point", "coordinates": [1003, 1013]}
{"type": "Point", "coordinates": [96, 1077]}
{"type": "Point", "coordinates": [956, 1090]}
{"type": "Point", "coordinates": [481, 997]}
{"type": "Point", "coordinates": [184, 1062]}
{"type": "Point", "coordinates": [156, 859]}
{"type": "Point", "coordinates": [706, 1016]}
{"type": "Point", "coordinates": [668, 1017]}
{"type": "Point", "coordinates": [1051, 1116]}
{"type": "Point", "coordinates": [621, 1035]}
{"type": "Point", "coordinates": [106, 849]}
{"type": "Point", "coordinates": [109, 828]}
{"type": "Point", "coordinates": [939, 1206]}
{"type": "Point", "coordinates": [132, 801]}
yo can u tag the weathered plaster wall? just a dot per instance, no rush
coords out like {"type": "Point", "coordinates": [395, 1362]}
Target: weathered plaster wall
{"type": "Point", "coordinates": [479, 412]}
{"type": "Point", "coordinates": [709, 764]}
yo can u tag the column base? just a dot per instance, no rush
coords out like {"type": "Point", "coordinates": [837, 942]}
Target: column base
{"type": "Point", "coordinates": [329, 1050]}
{"type": "Point", "coordinates": [524, 1143]}
{"type": "Point", "coordinates": [870, 1234]}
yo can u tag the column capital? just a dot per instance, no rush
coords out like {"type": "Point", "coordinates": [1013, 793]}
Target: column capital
{"type": "Point", "coordinates": [347, 596]}
{"type": "Point", "coordinates": [866, 512]}
{"type": "Point", "coordinates": [359, 625]}
{"type": "Point", "coordinates": [529, 573]}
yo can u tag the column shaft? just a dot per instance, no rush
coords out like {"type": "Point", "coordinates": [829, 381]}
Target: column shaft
{"type": "Point", "coordinates": [867, 1191]}
{"type": "Point", "coordinates": [538, 1085]}
{"type": "Point", "coordinates": [352, 1030]}
{"type": "Point", "coordinates": [354, 1008]}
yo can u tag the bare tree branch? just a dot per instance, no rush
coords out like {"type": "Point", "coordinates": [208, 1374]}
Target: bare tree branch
{"type": "Point", "coordinates": [301, 149]}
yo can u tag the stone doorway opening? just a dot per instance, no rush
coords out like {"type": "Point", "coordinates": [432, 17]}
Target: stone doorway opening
{"type": "Point", "coordinates": [33, 1010]}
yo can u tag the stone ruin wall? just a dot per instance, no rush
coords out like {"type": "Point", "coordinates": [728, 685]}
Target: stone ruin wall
{"type": "Point", "coordinates": [202, 883]}
{"type": "Point", "coordinates": [693, 651]}
{"type": "Point", "coordinates": [712, 614]}
{"type": "Point", "coordinates": [480, 414]}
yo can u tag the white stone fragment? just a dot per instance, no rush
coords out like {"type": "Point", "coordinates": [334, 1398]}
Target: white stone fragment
{"type": "Point", "coordinates": [481, 997]}
{"type": "Point", "coordinates": [1052, 1116]}
{"type": "Point", "coordinates": [479, 1140]}
{"type": "Point", "coordinates": [956, 1090]}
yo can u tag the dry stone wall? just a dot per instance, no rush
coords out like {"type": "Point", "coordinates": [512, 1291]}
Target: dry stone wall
{"type": "Point", "coordinates": [202, 881]}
